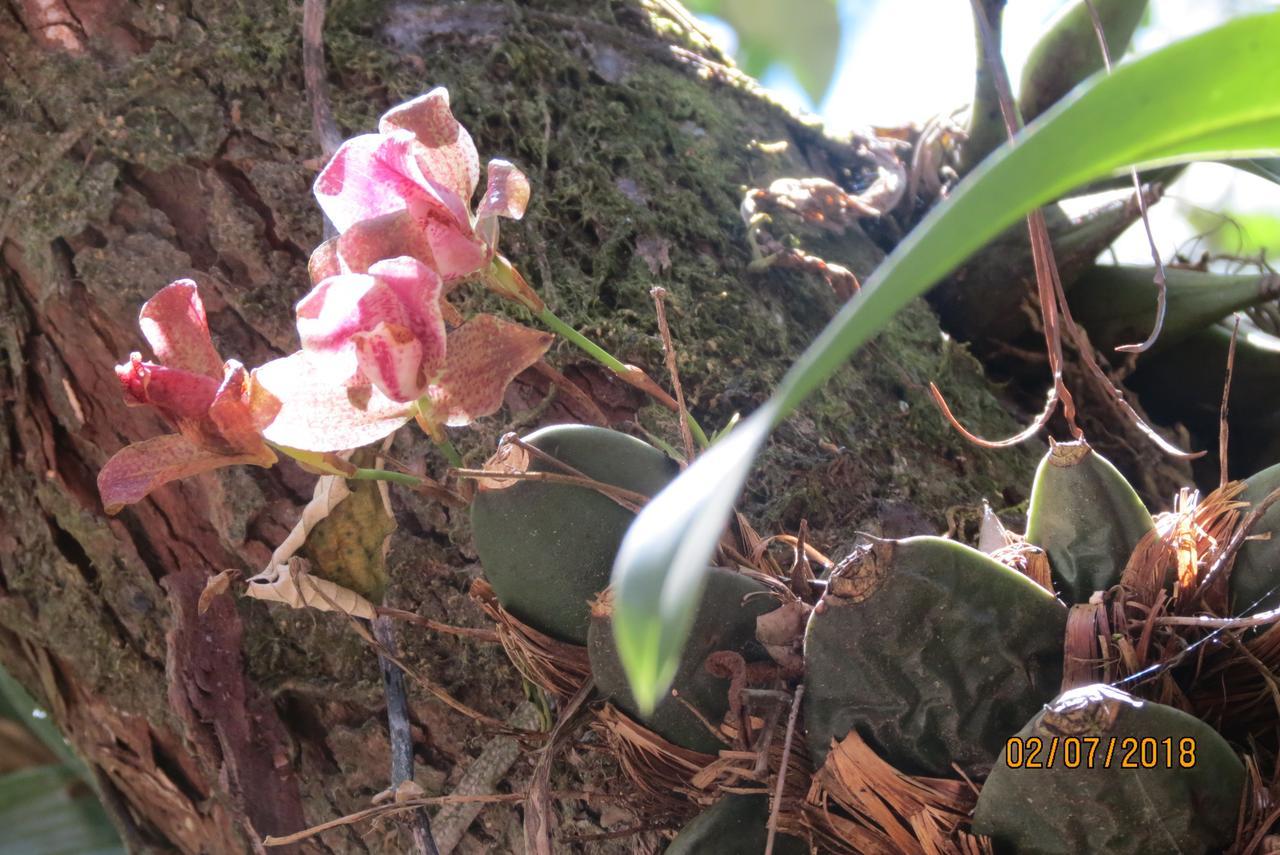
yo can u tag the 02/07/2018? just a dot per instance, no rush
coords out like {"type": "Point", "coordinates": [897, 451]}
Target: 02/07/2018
{"type": "Point", "coordinates": [1092, 752]}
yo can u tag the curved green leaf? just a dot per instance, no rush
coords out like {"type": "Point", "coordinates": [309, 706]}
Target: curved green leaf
{"type": "Point", "coordinates": [1215, 95]}
{"type": "Point", "coordinates": [1268, 168]}
{"type": "Point", "coordinates": [48, 810]}
{"type": "Point", "coordinates": [801, 35]}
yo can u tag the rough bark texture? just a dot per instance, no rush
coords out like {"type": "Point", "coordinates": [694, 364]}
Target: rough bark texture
{"type": "Point", "coordinates": [141, 142]}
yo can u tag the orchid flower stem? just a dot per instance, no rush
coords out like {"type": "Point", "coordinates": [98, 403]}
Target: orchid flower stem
{"type": "Point", "coordinates": [451, 454]}
{"type": "Point", "coordinates": [386, 475]}
{"type": "Point", "coordinates": [597, 352]}
{"type": "Point", "coordinates": [608, 360]}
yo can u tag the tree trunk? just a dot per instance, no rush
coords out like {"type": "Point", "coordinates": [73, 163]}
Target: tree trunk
{"type": "Point", "coordinates": [145, 142]}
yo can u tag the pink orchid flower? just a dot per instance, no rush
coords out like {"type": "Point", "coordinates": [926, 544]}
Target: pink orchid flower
{"type": "Point", "coordinates": [407, 190]}
{"type": "Point", "coordinates": [218, 410]}
{"type": "Point", "coordinates": [382, 327]}
{"type": "Point", "coordinates": [375, 354]}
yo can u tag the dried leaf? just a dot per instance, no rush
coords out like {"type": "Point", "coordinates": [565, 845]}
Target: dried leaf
{"type": "Point", "coordinates": [286, 579]}
{"type": "Point", "coordinates": [292, 585]}
{"type": "Point", "coordinates": [215, 587]}
{"type": "Point", "coordinates": [781, 632]}
{"type": "Point", "coordinates": [349, 546]}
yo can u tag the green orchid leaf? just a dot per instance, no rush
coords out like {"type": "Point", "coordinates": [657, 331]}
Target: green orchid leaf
{"type": "Point", "coordinates": [49, 810]}
{"type": "Point", "coordinates": [1263, 167]}
{"type": "Point", "coordinates": [801, 35]}
{"type": "Point", "coordinates": [1213, 96]}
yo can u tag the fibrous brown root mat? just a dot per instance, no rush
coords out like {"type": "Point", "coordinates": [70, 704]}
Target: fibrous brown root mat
{"type": "Point", "coordinates": [557, 667]}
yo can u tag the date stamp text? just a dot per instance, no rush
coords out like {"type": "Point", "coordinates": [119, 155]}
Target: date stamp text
{"type": "Point", "coordinates": [1100, 752]}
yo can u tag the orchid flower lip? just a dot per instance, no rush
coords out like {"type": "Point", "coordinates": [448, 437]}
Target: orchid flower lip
{"type": "Point", "coordinates": [213, 405]}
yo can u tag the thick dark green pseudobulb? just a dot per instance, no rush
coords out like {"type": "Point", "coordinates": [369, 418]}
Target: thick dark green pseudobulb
{"type": "Point", "coordinates": [932, 651]}
{"type": "Point", "coordinates": [1173, 801]}
{"type": "Point", "coordinates": [1069, 51]}
{"type": "Point", "coordinates": [1086, 518]}
{"type": "Point", "coordinates": [726, 620]}
{"type": "Point", "coordinates": [982, 299]}
{"type": "Point", "coordinates": [735, 825]}
{"type": "Point", "coordinates": [1066, 54]}
{"type": "Point", "coordinates": [1116, 303]}
{"type": "Point", "coordinates": [1255, 578]}
{"type": "Point", "coordinates": [547, 548]}
{"type": "Point", "coordinates": [1186, 381]}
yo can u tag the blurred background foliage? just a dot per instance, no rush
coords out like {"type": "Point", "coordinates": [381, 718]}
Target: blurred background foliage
{"type": "Point", "coordinates": [48, 801]}
{"type": "Point", "coordinates": [858, 63]}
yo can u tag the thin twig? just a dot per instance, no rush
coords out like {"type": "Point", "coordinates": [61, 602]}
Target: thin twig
{"type": "Point", "coordinates": [537, 822]}
{"type": "Point", "coordinates": [766, 735]}
{"type": "Point", "coordinates": [1159, 279]}
{"type": "Point", "coordinates": [488, 636]}
{"type": "Point", "coordinates": [1238, 538]}
{"type": "Point", "coordinates": [659, 296]}
{"type": "Point", "coordinates": [323, 126]}
{"type": "Point", "coordinates": [414, 804]}
{"type": "Point", "coordinates": [782, 770]}
{"type": "Point", "coordinates": [627, 498]}
{"type": "Point", "coordinates": [399, 733]}
{"type": "Point", "coordinates": [439, 693]}
{"type": "Point", "coordinates": [1222, 412]}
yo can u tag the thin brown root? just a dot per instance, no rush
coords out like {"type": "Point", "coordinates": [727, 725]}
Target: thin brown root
{"type": "Point", "coordinates": [1031, 430]}
{"type": "Point", "coordinates": [488, 636]}
{"type": "Point", "coordinates": [411, 805]}
{"type": "Point", "coordinates": [1222, 412]}
{"type": "Point", "coordinates": [781, 784]}
{"type": "Point", "coordinates": [668, 347]}
{"type": "Point", "coordinates": [1162, 299]}
{"type": "Point", "coordinates": [627, 498]}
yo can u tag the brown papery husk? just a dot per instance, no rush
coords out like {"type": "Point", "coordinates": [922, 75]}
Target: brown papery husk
{"type": "Point", "coordinates": [674, 782]}
{"type": "Point", "coordinates": [1163, 578]}
{"type": "Point", "coordinates": [1237, 690]}
{"type": "Point", "coordinates": [862, 804]}
{"type": "Point", "coordinates": [1029, 560]}
{"type": "Point", "coordinates": [1232, 679]}
{"type": "Point", "coordinates": [661, 772]}
{"type": "Point", "coordinates": [557, 667]}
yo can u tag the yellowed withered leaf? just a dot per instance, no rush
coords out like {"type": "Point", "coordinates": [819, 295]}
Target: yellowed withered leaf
{"type": "Point", "coordinates": [344, 534]}
{"type": "Point", "coordinates": [293, 585]}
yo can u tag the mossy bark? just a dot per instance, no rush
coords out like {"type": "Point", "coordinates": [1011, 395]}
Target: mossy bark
{"type": "Point", "coordinates": [143, 142]}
